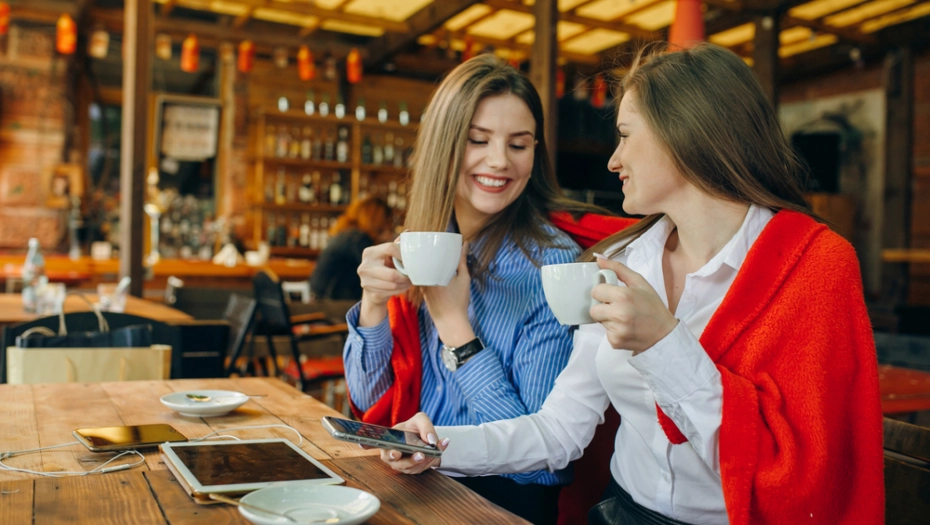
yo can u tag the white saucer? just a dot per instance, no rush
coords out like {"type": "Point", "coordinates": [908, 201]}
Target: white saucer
{"type": "Point", "coordinates": [221, 402]}
{"type": "Point", "coordinates": [308, 502]}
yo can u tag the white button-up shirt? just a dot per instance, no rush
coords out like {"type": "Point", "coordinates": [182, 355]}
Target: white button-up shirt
{"type": "Point", "coordinates": [679, 481]}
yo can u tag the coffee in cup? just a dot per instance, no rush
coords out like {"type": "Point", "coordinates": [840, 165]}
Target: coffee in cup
{"type": "Point", "coordinates": [429, 258]}
{"type": "Point", "coordinates": [568, 289]}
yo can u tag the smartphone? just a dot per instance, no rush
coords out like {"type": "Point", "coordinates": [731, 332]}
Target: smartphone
{"type": "Point", "coordinates": [378, 436]}
{"type": "Point", "coordinates": [126, 438]}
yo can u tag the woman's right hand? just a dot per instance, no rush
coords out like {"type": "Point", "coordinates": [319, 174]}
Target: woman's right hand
{"type": "Point", "coordinates": [380, 281]}
{"type": "Point", "coordinates": [414, 464]}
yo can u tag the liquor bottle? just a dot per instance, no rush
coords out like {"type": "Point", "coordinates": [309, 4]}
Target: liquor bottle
{"type": "Point", "coordinates": [314, 233]}
{"type": "Point", "coordinates": [389, 148]}
{"type": "Point", "coordinates": [362, 186]}
{"type": "Point", "coordinates": [335, 190]}
{"type": "Point", "coordinates": [382, 112]}
{"type": "Point", "coordinates": [342, 146]}
{"type": "Point", "coordinates": [305, 195]}
{"type": "Point", "coordinates": [340, 109]}
{"type": "Point", "coordinates": [294, 233]}
{"type": "Point", "coordinates": [33, 275]}
{"type": "Point", "coordinates": [401, 203]}
{"type": "Point", "coordinates": [282, 230]}
{"type": "Point", "coordinates": [317, 153]}
{"type": "Point", "coordinates": [324, 232]}
{"type": "Point", "coordinates": [360, 110]}
{"type": "Point", "coordinates": [366, 150]}
{"type": "Point", "coordinates": [271, 141]}
{"type": "Point", "coordinates": [292, 188]}
{"type": "Point", "coordinates": [306, 143]}
{"type": "Point", "coordinates": [377, 151]}
{"type": "Point", "coordinates": [315, 194]}
{"type": "Point", "coordinates": [283, 104]}
{"type": "Point", "coordinates": [310, 104]}
{"type": "Point", "coordinates": [269, 191]}
{"type": "Point", "coordinates": [329, 147]}
{"type": "Point", "coordinates": [280, 189]}
{"type": "Point", "coordinates": [392, 195]}
{"type": "Point", "coordinates": [304, 234]}
{"type": "Point", "coordinates": [399, 152]}
{"type": "Point", "coordinates": [324, 105]}
{"type": "Point", "coordinates": [404, 116]}
{"type": "Point", "coordinates": [271, 234]}
{"type": "Point", "coordinates": [284, 143]}
{"type": "Point", "coordinates": [294, 143]}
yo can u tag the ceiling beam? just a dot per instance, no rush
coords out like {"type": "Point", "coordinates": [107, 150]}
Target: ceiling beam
{"type": "Point", "coordinates": [168, 7]}
{"type": "Point", "coordinates": [845, 33]}
{"type": "Point", "coordinates": [635, 31]}
{"type": "Point", "coordinates": [312, 10]}
{"type": "Point", "coordinates": [242, 19]}
{"type": "Point", "coordinates": [423, 21]}
{"type": "Point", "coordinates": [527, 48]}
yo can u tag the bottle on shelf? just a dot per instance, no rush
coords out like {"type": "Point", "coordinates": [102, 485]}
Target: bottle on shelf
{"type": "Point", "coordinates": [324, 232]}
{"type": "Point", "coordinates": [401, 202]}
{"type": "Point", "coordinates": [340, 109]}
{"type": "Point", "coordinates": [314, 243]}
{"type": "Point", "coordinates": [292, 188]}
{"type": "Point", "coordinates": [366, 150]}
{"type": "Point", "coordinates": [360, 110]}
{"type": "Point", "coordinates": [304, 233]}
{"type": "Point", "coordinates": [382, 112]}
{"type": "Point", "coordinates": [33, 276]}
{"type": "Point", "coordinates": [294, 234]}
{"type": "Point", "coordinates": [329, 146]}
{"type": "Point", "coordinates": [269, 191]}
{"type": "Point", "coordinates": [310, 104]}
{"type": "Point", "coordinates": [271, 141]}
{"type": "Point", "coordinates": [294, 143]}
{"type": "Point", "coordinates": [342, 146]}
{"type": "Point", "coordinates": [392, 194]}
{"type": "Point", "coordinates": [306, 143]}
{"type": "Point", "coordinates": [335, 190]}
{"type": "Point", "coordinates": [377, 151]}
{"type": "Point", "coordinates": [403, 116]}
{"type": "Point", "coordinates": [282, 230]}
{"type": "Point", "coordinates": [399, 152]}
{"type": "Point", "coordinates": [389, 148]}
{"type": "Point", "coordinates": [280, 187]}
{"type": "Point", "coordinates": [317, 153]}
{"type": "Point", "coordinates": [305, 194]}
{"type": "Point", "coordinates": [324, 105]}
{"type": "Point", "coordinates": [271, 231]}
{"type": "Point", "coordinates": [362, 186]}
{"type": "Point", "coordinates": [284, 143]}
{"type": "Point", "coordinates": [283, 104]}
{"type": "Point", "coordinates": [315, 194]}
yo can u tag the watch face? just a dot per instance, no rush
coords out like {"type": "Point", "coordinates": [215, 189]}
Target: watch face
{"type": "Point", "coordinates": [449, 359]}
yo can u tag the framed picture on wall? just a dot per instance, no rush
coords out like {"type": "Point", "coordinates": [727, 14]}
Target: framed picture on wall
{"type": "Point", "coordinates": [186, 143]}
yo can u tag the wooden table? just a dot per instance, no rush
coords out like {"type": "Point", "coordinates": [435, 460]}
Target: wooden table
{"type": "Point", "coordinates": [43, 415]}
{"type": "Point", "coordinates": [11, 309]}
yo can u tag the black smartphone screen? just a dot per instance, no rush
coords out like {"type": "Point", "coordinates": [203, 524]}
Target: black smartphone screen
{"type": "Point", "coordinates": [389, 435]}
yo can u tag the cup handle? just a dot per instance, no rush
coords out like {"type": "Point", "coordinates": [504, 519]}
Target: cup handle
{"type": "Point", "coordinates": [605, 276]}
{"type": "Point", "coordinates": [399, 266]}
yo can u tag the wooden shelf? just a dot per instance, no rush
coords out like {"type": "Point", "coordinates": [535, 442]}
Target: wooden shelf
{"type": "Point", "coordinates": [384, 168]}
{"type": "Point", "coordinates": [289, 251]}
{"type": "Point", "coordinates": [303, 207]}
{"type": "Point", "coordinates": [321, 164]}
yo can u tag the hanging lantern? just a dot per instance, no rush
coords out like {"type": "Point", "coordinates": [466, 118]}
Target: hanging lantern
{"type": "Point", "coordinates": [190, 54]}
{"type": "Point", "coordinates": [66, 35]}
{"type": "Point", "coordinates": [559, 83]}
{"type": "Point", "coordinates": [279, 56]}
{"type": "Point", "coordinates": [599, 96]}
{"type": "Point", "coordinates": [246, 58]}
{"type": "Point", "coordinates": [4, 18]}
{"type": "Point", "coordinates": [306, 69]}
{"type": "Point", "coordinates": [688, 27]}
{"type": "Point", "coordinates": [163, 46]}
{"type": "Point", "coordinates": [469, 50]}
{"type": "Point", "coordinates": [354, 66]}
{"type": "Point", "coordinates": [99, 44]}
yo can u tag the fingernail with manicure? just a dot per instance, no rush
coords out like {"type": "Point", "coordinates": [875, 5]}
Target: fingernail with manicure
{"type": "Point", "coordinates": [431, 438]}
{"type": "Point", "coordinates": [393, 455]}
{"type": "Point", "coordinates": [600, 255]}
{"type": "Point", "coordinates": [418, 457]}
{"type": "Point", "coordinates": [445, 443]}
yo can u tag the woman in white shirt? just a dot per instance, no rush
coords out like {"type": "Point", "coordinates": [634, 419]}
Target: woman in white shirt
{"type": "Point", "coordinates": [739, 354]}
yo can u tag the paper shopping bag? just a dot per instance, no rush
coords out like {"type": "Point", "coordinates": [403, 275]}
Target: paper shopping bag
{"type": "Point", "coordinates": [66, 365]}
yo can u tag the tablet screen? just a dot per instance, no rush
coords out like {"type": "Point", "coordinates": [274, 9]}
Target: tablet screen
{"type": "Point", "coordinates": [244, 465]}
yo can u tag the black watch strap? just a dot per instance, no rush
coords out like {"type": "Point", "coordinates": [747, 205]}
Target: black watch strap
{"type": "Point", "coordinates": [467, 350]}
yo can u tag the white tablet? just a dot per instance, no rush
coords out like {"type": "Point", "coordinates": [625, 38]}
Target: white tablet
{"type": "Point", "coordinates": [238, 467]}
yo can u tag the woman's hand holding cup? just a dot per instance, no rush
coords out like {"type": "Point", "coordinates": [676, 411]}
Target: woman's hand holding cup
{"type": "Point", "coordinates": [380, 281]}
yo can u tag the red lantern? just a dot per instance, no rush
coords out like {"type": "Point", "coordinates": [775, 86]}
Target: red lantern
{"type": "Point", "coordinates": [559, 83]}
{"type": "Point", "coordinates": [4, 18]}
{"type": "Point", "coordinates": [688, 27]}
{"type": "Point", "coordinates": [599, 96]}
{"type": "Point", "coordinates": [190, 54]}
{"type": "Point", "coordinates": [306, 68]}
{"type": "Point", "coordinates": [246, 58]}
{"type": "Point", "coordinates": [66, 35]}
{"type": "Point", "coordinates": [354, 66]}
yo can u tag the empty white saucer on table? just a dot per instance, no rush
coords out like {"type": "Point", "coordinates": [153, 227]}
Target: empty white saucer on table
{"type": "Point", "coordinates": [310, 503]}
{"type": "Point", "coordinates": [204, 403]}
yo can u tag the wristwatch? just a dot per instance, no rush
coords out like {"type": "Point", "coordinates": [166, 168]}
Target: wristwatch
{"type": "Point", "coordinates": [453, 358]}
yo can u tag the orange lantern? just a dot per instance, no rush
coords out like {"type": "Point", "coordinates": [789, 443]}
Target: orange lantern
{"type": "Point", "coordinates": [4, 18]}
{"type": "Point", "coordinates": [190, 54]}
{"type": "Point", "coordinates": [559, 83]}
{"type": "Point", "coordinates": [599, 96]}
{"type": "Point", "coordinates": [688, 27]}
{"type": "Point", "coordinates": [354, 66]}
{"type": "Point", "coordinates": [306, 68]}
{"type": "Point", "coordinates": [66, 35]}
{"type": "Point", "coordinates": [246, 58]}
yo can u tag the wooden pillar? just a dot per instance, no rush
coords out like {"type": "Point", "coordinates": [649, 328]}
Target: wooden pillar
{"type": "Point", "coordinates": [765, 53]}
{"type": "Point", "coordinates": [898, 80]}
{"type": "Point", "coordinates": [137, 81]}
{"type": "Point", "coordinates": [543, 64]}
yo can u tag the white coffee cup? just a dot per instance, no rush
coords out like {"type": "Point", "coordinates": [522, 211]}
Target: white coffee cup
{"type": "Point", "coordinates": [568, 289]}
{"type": "Point", "coordinates": [429, 258]}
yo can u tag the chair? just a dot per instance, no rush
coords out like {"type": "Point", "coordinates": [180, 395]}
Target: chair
{"type": "Point", "coordinates": [301, 288]}
{"type": "Point", "coordinates": [240, 314]}
{"type": "Point", "coordinates": [162, 333]}
{"type": "Point", "coordinates": [276, 318]}
{"type": "Point", "coordinates": [907, 473]}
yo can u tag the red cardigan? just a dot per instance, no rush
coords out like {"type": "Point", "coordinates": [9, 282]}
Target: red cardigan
{"type": "Point", "coordinates": [801, 434]}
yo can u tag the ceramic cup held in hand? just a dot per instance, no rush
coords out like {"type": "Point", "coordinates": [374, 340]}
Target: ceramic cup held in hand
{"type": "Point", "coordinates": [429, 258]}
{"type": "Point", "coordinates": [568, 289]}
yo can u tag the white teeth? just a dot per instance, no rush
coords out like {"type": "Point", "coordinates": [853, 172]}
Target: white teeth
{"type": "Point", "coordinates": [487, 181]}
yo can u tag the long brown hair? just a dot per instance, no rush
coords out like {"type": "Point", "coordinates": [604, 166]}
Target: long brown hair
{"type": "Point", "coordinates": [707, 108]}
{"type": "Point", "coordinates": [370, 215]}
{"type": "Point", "coordinates": [440, 146]}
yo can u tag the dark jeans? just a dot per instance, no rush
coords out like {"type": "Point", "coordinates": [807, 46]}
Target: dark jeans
{"type": "Point", "coordinates": [538, 504]}
{"type": "Point", "coordinates": [618, 508]}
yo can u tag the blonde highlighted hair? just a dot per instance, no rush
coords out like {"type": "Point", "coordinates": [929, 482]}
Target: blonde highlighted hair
{"type": "Point", "coordinates": [709, 112]}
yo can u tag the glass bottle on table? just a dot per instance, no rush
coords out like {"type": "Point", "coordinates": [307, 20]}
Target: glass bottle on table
{"type": "Point", "coordinates": [33, 276]}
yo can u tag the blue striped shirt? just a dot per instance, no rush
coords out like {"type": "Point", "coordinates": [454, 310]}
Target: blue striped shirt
{"type": "Point", "coordinates": [525, 349]}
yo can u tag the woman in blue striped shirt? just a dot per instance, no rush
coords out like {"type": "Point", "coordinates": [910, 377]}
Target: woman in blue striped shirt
{"type": "Point", "coordinates": [481, 169]}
